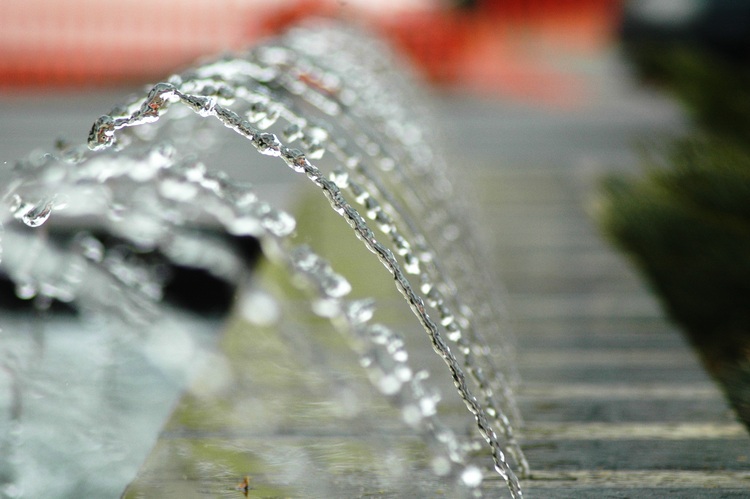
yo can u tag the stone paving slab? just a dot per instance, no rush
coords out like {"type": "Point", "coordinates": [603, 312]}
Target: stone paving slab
{"type": "Point", "coordinates": [615, 402]}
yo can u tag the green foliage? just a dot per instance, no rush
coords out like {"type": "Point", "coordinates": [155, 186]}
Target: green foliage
{"type": "Point", "coordinates": [688, 227]}
{"type": "Point", "coordinates": [715, 91]}
{"type": "Point", "coordinates": [686, 221]}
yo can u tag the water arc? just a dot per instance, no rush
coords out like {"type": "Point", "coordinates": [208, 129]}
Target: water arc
{"type": "Point", "coordinates": [329, 104]}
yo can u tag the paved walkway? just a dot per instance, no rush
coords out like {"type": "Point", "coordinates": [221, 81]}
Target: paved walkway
{"type": "Point", "coordinates": [615, 402]}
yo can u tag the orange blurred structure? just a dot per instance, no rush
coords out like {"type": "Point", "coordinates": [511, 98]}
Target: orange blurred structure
{"type": "Point", "coordinates": [494, 46]}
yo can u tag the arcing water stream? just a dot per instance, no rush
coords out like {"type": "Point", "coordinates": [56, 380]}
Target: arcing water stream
{"type": "Point", "coordinates": [330, 105]}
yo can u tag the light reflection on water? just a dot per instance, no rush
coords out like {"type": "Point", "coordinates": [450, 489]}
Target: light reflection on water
{"type": "Point", "coordinates": [85, 401]}
{"type": "Point", "coordinates": [286, 404]}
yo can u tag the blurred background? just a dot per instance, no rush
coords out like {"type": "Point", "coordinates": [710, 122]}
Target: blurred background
{"type": "Point", "coordinates": [519, 47]}
{"type": "Point", "coordinates": [547, 106]}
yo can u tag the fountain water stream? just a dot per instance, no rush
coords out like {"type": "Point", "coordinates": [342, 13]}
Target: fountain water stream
{"type": "Point", "coordinates": [330, 104]}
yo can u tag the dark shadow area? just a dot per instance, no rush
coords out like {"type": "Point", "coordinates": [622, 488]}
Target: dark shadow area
{"type": "Point", "coordinates": [188, 286]}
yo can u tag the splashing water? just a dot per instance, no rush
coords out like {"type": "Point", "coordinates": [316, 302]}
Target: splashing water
{"type": "Point", "coordinates": [328, 103]}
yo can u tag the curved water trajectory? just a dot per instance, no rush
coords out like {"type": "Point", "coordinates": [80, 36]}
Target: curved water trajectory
{"type": "Point", "coordinates": [323, 93]}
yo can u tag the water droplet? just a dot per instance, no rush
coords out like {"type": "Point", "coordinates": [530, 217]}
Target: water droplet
{"type": "Point", "coordinates": [326, 308]}
{"type": "Point", "coordinates": [228, 117]}
{"type": "Point", "coordinates": [451, 232]}
{"type": "Point", "coordinates": [340, 178]}
{"type": "Point", "coordinates": [428, 405]}
{"type": "Point", "coordinates": [271, 117]}
{"type": "Point", "coordinates": [247, 225]}
{"type": "Point", "coordinates": [102, 133]}
{"type": "Point", "coordinates": [379, 334]}
{"type": "Point", "coordinates": [446, 318]}
{"type": "Point", "coordinates": [454, 335]}
{"type": "Point", "coordinates": [411, 415]}
{"type": "Point", "coordinates": [472, 477]}
{"type": "Point", "coordinates": [402, 245]}
{"type": "Point", "coordinates": [32, 215]}
{"type": "Point", "coordinates": [315, 150]}
{"type": "Point", "coordinates": [91, 248]}
{"type": "Point", "coordinates": [177, 189]}
{"type": "Point", "coordinates": [158, 97]}
{"type": "Point", "coordinates": [267, 144]}
{"type": "Point", "coordinates": [245, 128]}
{"type": "Point", "coordinates": [360, 311]}
{"type": "Point", "coordinates": [403, 373]}
{"type": "Point", "coordinates": [336, 286]}
{"type": "Point", "coordinates": [26, 290]}
{"type": "Point", "coordinates": [295, 159]}
{"type": "Point", "coordinates": [257, 111]}
{"type": "Point", "coordinates": [389, 384]}
{"type": "Point", "coordinates": [441, 465]}
{"type": "Point", "coordinates": [203, 105]}
{"type": "Point", "coordinates": [274, 55]}
{"type": "Point", "coordinates": [293, 132]}
{"type": "Point", "coordinates": [279, 223]}
{"type": "Point", "coordinates": [316, 134]}
{"type": "Point", "coordinates": [259, 308]}
{"type": "Point", "coordinates": [387, 164]}
{"type": "Point", "coordinates": [411, 264]}
{"type": "Point", "coordinates": [263, 114]}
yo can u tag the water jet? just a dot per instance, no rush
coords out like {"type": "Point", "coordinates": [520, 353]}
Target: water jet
{"type": "Point", "coordinates": [105, 227]}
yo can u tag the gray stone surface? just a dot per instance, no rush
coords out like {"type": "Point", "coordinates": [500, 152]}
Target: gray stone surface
{"type": "Point", "coordinates": [615, 403]}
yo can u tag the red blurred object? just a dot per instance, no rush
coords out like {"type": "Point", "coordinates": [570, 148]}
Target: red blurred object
{"type": "Point", "coordinates": [92, 43]}
{"type": "Point", "coordinates": [508, 46]}
{"type": "Point", "coordinates": [522, 48]}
